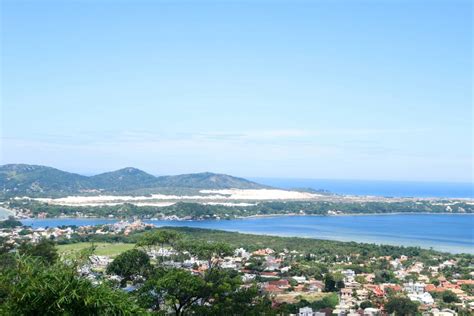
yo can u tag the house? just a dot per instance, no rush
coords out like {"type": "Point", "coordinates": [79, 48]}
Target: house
{"type": "Point", "coordinates": [300, 288]}
{"type": "Point", "coordinates": [396, 264]}
{"type": "Point", "coordinates": [342, 308]}
{"type": "Point", "coordinates": [263, 252]}
{"type": "Point", "coordinates": [349, 275]}
{"type": "Point", "coordinates": [306, 311]}
{"type": "Point", "coordinates": [443, 312]}
{"type": "Point", "coordinates": [285, 269]}
{"type": "Point", "coordinates": [371, 311]}
{"type": "Point", "coordinates": [375, 289]}
{"type": "Point", "coordinates": [241, 252]}
{"type": "Point", "coordinates": [315, 286]}
{"type": "Point", "coordinates": [424, 298]}
{"type": "Point", "coordinates": [272, 264]}
{"type": "Point", "coordinates": [430, 288]}
{"type": "Point", "coordinates": [393, 287]}
{"type": "Point", "coordinates": [369, 277]}
{"type": "Point", "coordinates": [248, 277]}
{"type": "Point", "coordinates": [299, 279]}
{"type": "Point", "coordinates": [269, 288]}
{"type": "Point", "coordinates": [414, 288]}
{"type": "Point", "coordinates": [346, 294]}
{"type": "Point", "coordinates": [269, 275]}
{"type": "Point", "coordinates": [447, 264]}
{"type": "Point", "coordinates": [282, 284]}
{"type": "Point", "coordinates": [99, 262]}
{"type": "Point", "coordinates": [228, 265]}
{"type": "Point", "coordinates": [464, 282]}
{"type": "Point", "coordinates": [362, 294]}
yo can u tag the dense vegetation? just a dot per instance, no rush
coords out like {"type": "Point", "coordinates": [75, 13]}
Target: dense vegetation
{"type": "Point", "coordinates": [10, 223]}
{"type": "Point", "coordinates": [30, 284]}
{"type": "Point", "coordinates": [34, 281]}
{"type": "Point", "coordinates": [199, 211]}
{"type": "Point", "coordinates": [328, 250]}
{"type": "Point", "coordinates": [41, 181]}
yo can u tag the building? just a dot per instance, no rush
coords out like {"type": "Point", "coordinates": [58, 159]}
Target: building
{"type": "Point", "coordinates": [371, 311]}
{"type": "Point", "coordinates": [414, 288]}
{"type": "Point", "coordinates": [306, 311]}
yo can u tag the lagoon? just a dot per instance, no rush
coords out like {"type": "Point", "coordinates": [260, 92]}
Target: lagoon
{"type": "Point", "coordinates": [445, 232]}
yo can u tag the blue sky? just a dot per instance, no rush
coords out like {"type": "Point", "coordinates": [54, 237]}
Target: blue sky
{"type": "Point", "coordinates": [302, 89]}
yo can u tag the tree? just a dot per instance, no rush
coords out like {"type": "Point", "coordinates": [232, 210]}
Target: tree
{"type": "Point", "coordinates": [45, 250]}
{"type": "Point", "coordinates": [256, 263]}
{"type": "Point", "coordinates": [217, 293]}
{"type": "Point", "coordinates": [333, 282]}
{"type": "Point", "coordinates": [212, 252]}
{"type": "Point", "coordinates": [11, 222]}
{"type": "Point", "coordinates": [245, 301]}
{"type": "Point", "coordinates": [401, 306]}
{"type": "Point", "coordinates": [222, 287]}
{"type": "Point", "coordinates": [158, 237]}
{"type": "Point", "coordinates": [129, 264]}
{"type": "Point", "coordinates": [384, 276]}
{"type": "Point", "coordinates": [5, 246]}
{"type": "Point", "coordinates": [329, 301]}
{"type": "Point", "coordinates": [6, 256]}
{"type": "Point", "coordinates": [449, 297]}
{"type": "Point", "coordinates": [360, 279]}
{"type": "Point", "coordinates": [176, 288]}
{"type": "Point", "coordinates": [33, 288]}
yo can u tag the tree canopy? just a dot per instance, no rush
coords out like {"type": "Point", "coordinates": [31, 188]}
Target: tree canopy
{"type": "Point", "coordinates": [33, 288]}
{"type": "Point", "coordinates": [401, 306]}
{"type": "Point", "coordinates": [45, 250]}
{"type": "Point", "coordinates": [130, 264]}
{"type": "Point", "coordinates": [212, 252]}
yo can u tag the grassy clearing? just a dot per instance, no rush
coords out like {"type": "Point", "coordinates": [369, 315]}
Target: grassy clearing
{"type": "Point", "coordinates": [297, 296]}
{"type": "Point", "coordinates": [102, 248]}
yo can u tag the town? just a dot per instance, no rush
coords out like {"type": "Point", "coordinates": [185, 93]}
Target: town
{"type": "Point", "coordinates": [294, 281]}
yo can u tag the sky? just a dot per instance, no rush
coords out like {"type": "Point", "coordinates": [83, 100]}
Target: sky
{"type": "Point", "coordinates": [289, 89]}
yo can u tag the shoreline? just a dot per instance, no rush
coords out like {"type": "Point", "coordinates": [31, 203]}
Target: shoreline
{"type": "Point", "coordinates": [348, 214]}
{"type": "Point", "coordinates": [249, 217]}
{"type": "Point", "coordinates": [378, 238]}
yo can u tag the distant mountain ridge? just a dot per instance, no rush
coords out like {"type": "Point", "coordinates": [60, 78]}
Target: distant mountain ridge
{"type": "Point", "coordinates": [35, 180]}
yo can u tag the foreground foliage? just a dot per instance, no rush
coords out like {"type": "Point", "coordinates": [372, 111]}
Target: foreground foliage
{"type": "Point", "coordinates": [30, 287]}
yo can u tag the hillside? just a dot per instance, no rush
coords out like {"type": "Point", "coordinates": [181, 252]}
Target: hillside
{"type": "Point", "coordinates": [22, 179]}
{"type": "Point", "coordinates": [123, 179]}
{"type": "Point", "coordinates": [207, 180]}
{"type": "Point", "coordinates": [36, 181]}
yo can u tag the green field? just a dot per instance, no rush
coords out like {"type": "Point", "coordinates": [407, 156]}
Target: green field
{"type": "Point", "coordinates": [102, 248]}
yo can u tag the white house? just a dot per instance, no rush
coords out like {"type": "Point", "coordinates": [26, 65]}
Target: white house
{"type": "Point", "coordinates": [414, 288]}
{"type": "Point", "coordinates": [305, 311]}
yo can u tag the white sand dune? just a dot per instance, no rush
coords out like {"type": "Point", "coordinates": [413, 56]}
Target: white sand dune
{"type": "Point", "coordinates": [222, 197]}
{"type": "Point", "coordinates": [262, 194]}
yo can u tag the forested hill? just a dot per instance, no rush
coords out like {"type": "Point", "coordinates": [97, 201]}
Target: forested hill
{"type": "Point", "coordinates": [34, 180]}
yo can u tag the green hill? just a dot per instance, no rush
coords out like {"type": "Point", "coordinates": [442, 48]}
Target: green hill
{"type": "Point", "coordinates": [22, 179]}
{"type": "Point", "coordinates": [207, 180]}
{"type": "Point", "coordinates": [123, 179]}
{"type": "Point", "coordinates": [39, 181]}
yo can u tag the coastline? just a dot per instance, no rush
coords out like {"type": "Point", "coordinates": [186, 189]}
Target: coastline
{"type": "Point", "coordinates": [350, 214]}
{"type": "Point", "coordinates": [247, 217]}
{"type": "Point", "coordinates": [396, 231]}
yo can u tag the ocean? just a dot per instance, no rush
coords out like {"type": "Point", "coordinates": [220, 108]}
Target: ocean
{"type": "Point", "coordinates": [444, 232]}
{"type": "Point", "coordinates": [377, 188]}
